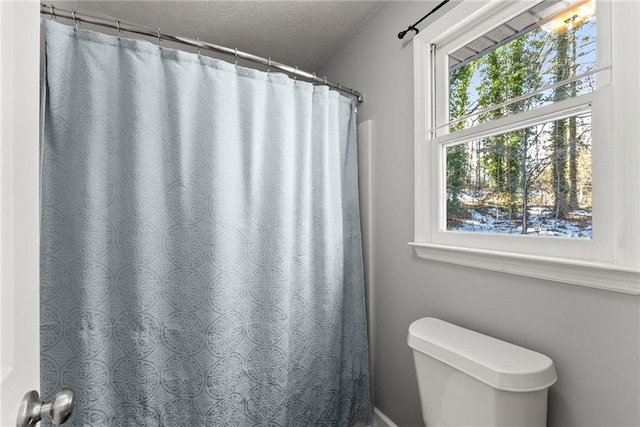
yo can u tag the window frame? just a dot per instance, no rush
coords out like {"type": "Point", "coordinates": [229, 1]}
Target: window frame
{"type": "Point", "coordinates": [611, 259]}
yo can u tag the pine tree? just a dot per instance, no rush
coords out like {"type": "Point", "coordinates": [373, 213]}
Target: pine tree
{"type": "Point", "coordinates": [562, 69]}
{"type": "Point", "coordinates": [457, 159]}
{"type": "Point", "coordinates": [492, 92]}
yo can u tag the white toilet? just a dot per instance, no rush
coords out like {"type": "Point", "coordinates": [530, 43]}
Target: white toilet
{"type": "Point", "coordinates": [469, 379]}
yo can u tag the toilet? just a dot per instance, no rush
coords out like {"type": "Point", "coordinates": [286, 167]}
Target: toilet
{"type": "Point", "coordinates": [470, 379]}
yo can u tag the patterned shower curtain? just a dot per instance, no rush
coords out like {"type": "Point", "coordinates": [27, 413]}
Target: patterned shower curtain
{"type": "Point", "coordinates": [201, 252]}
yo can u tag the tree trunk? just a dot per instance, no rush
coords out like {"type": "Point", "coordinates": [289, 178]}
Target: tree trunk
{"type": "Point", "coordinates": [573, 143]}
{"type": "Point", "coordinates": [559, 137]}
{"type": "Point", "coordinates": [525, 187]}
{"type": "Point", "coordinates": [573, 165]}
{"type": "Point", "coordinates": [560, 185]}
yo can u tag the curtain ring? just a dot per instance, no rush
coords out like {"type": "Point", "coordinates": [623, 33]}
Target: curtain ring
{"type": "Point", "coordinates": [53, 13]}
{"type": "Point", "coordinates": [235, 54]}
{"type": "Point", "coordinates": [314, 78]}
{"type": "Point", "coordinates": [325, 79]}
{"type": "Point", "coordinates": [295, 70]}
{"type": "Point", "coordinates": [198, 43]}
{"type": "Point", "coordinates": [119, 28]}
{"type": "Point", "coordinates": [75, 21]}
{"type": "Point", "coordinates": [268, 65]}
{"type": "Point", "coordinates": [159, 39]}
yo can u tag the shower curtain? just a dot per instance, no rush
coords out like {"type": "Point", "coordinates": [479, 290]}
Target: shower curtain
{"type": "Point", "coordinates": [201, 252]}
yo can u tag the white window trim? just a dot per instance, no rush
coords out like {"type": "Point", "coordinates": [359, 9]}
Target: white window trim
{"type": "Point", "coordinates": [609, 261]}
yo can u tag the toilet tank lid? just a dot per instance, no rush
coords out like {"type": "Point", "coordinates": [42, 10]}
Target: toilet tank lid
{"type": "Point", "coordinates": [500, 364]}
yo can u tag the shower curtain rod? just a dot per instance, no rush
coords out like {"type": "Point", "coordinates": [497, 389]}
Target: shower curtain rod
{"type": "Point", "coordinates": [115, 23]}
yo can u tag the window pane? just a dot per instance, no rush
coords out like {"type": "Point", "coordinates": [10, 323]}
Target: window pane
{"type": "Point", "coordinates": [520, 57]}
{"type": "Point", "coordinates": [535, 180]}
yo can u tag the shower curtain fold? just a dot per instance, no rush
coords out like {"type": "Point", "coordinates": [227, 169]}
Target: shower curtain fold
{"type": "Point", "coordinates": [201, 260]}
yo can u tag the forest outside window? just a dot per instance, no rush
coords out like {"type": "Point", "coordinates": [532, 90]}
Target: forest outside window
{"type": "Point", "coordinates": [514, 135]}
{"type": "Point", "coordinates": [534, 180]}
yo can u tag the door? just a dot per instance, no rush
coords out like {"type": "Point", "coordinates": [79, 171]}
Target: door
{"type": "Point", "coordinates": [19, 206]}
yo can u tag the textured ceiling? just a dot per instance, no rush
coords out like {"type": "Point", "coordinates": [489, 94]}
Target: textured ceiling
{"type": "Point", "coordinates": [297, 33]}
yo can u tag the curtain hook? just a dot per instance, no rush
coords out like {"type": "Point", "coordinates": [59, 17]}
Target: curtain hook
{"type": "Point", "coordinates": [198, 43]}
{"type": "Point", "coordinates": [314, 78]}
{"type": "Point", "coordinates": [75, 20]}
{"type": "Point", "coordinates": [159, 39]}
{"type": "Point", "coordinates": [119, 27]}
{"type": "Point", "coordinates": [325, 79]}
{"type": "Point", "coordinates": [295, 71]}
{"type": "Point", "coordinates": [268, 65]}
{"type": "Point", "coordinates": [235, 54]}
{"type": "Point", "coordinates": [53, 13]}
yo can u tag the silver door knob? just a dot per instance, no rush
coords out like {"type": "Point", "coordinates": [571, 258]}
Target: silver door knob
{"type": "Point", "coordinates": [33, 410]}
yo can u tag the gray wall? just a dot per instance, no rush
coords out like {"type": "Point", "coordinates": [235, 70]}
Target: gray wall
{"type": "Point", "coordinates": [592, 336]}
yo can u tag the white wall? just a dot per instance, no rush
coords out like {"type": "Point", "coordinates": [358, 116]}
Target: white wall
{"type": "Point", "coordinates": [19, 209]}
{"type": "Point", "coordinates": [592, 336]}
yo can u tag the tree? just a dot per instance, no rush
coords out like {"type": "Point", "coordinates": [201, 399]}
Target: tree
{"type": "Point", "coordinates": [573, 130]}
{"type": "Point", "coordinates": [492, 92]}
{"type": "Point", "coordinates": [457, 159]}
{"type": "Point", "coordinates": [560, 185]}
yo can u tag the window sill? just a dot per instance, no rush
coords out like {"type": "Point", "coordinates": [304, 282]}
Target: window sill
{"type": "Point", "coordinates": [582, 273]}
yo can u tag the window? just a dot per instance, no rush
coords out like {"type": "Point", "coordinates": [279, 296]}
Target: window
{"type": "Point", "coordinates": [526, 141]}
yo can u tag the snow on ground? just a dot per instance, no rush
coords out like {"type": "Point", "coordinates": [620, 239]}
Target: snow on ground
{"type": "Point", "coordinates": [541, 222]}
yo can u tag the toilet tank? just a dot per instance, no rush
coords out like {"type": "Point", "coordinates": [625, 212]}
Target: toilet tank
{"type": "Point", "coordinates": [470, 379]}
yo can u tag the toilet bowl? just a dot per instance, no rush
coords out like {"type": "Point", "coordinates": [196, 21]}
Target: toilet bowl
{"type": "Point", "coordinates": [469, 379]}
